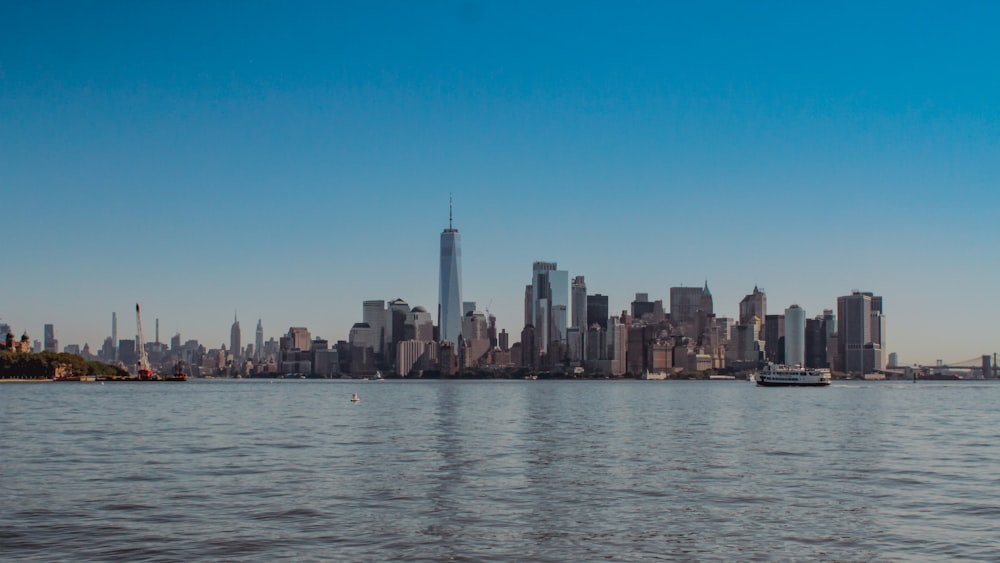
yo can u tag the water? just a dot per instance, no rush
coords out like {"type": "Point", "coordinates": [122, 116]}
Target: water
{"type": "Point", "coordinates": [505, 470]}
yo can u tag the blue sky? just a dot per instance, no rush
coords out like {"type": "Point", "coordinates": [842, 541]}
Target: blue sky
{"type": "Point", "coordinates": [288, 160]}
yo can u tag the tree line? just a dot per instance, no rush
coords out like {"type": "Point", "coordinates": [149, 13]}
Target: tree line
{"type": "Point", "coordinates": [43, 364]}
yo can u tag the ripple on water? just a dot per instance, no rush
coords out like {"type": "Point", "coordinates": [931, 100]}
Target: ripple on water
{"type": "Point", "coordinates": [481, 471]}
{"type": "Point", "coordinates": [292, 514]}
{"type": "Point", "coordinates": [126, 507]}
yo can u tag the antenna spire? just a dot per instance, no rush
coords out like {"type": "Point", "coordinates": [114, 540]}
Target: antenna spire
{"type": "Point", "coordinates": [449, 211]}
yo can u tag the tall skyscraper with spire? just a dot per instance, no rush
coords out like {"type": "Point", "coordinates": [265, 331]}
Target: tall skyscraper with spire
{"type": "Point", "coordinates": [234, 338]}
{"type": "Point", "coordinates": [450, 284]}
{"type": "Point", "coordinates": [258, 348]}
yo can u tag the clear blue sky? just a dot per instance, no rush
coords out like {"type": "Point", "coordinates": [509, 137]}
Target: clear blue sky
{"type": "Point", "coordinates": [289, 160]}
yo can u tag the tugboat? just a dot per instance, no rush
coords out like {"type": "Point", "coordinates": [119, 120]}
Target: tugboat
{"type": "Point", "coordinates": [179, 374]}
{"type": "Point", "coordinates": [791, 376]}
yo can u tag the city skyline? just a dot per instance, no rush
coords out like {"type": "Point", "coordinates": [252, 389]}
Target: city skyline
{"type": "Point", "coordinates": [374, 310]}
{"type": "Point", "coordinates": [296, 164]}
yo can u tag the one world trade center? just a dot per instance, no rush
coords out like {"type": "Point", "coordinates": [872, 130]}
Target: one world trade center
{"type": "Point", "coordinates": [450, 286]}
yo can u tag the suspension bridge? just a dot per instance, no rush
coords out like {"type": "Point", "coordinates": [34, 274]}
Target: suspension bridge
{"type": "Point", "coordinates": [981, 366]}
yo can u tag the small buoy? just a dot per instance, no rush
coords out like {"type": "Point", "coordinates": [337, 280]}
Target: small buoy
{"type": "Point", "coordinates": [354, 398]}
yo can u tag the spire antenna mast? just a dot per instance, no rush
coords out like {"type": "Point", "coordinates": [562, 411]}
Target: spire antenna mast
{"type": "Point", "coordinates": [449, 212]}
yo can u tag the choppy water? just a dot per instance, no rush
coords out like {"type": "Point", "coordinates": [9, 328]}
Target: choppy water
{"type": "Point", "coordinates": [507, 470]}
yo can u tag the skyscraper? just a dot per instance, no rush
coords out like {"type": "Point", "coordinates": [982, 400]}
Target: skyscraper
{"type": "Point", "coordinates": [50, 344]}
{"type": "Point", "coordinates": [618, 337]}
{"type": "Point", "coordinates": [258, 348]}
{"type": "Point", "coordinates": [816, 339]}
{"type": "Point", "coordinates": [299, 338]}
{"type": "Point", "coordinates": [832, 340]}
{"type": "Point", "coordinates": [235, 345]}
{"type": "Point", "coordinates": [795, 336]}
{"type": "Point", "coordinates": [861, 332]}
{"type": "Point", "coordinates": [114, 334]}
{"type": "Point", "coordinates": [395, 328]}
{"type": "Point", "coordinates": [450, 283]}
{"type": "Point", "coordinates": [529, 305]}
{"type": "Point", "coordinates": [550, 304]}
{"type": "Point", "coordinates": [642, 306]}
{"type": "Point", "coordinates": [686, 301]}
{"type": "Point", "coordinates": [529, 352]}
{"type": "Point", "coordinates": [597, 310]}
{"type": "Point", "coordinates": [419, 325]}
{"type": "Point", "coordinates": [468, 307]}
{"type": "Point", "coordinates": [774, 338]}
{"type": "Point", "coordinates": [127, 352]}
{"type": "Point", "coordinates": [754, 305]}
{"type": "Point", "coordinates": [745, 349]}
{"type": "Point", "coordinates": [579, 295]}
{"type": "Point", "coordinates": [373, 313]}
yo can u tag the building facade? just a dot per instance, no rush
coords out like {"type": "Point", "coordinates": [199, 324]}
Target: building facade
{"type": "Point", "coordinates": [49, 342]}
{"type": "Point", "coordinates": [258, 348]}
{"type": "Point", "coordinates": [235, 340]}
{"type": "Point", "coordinates": [642, 307]}
{"type": "Point", "coordinates": [745, 350]}
{"type": "Point", "coordinates": [597, 311]}
{"type": "Point", "coordinates": [9, 344]}
{"type": "Point", "coordinates": [685, 305]}
{"type": "Point", "coordinates": [114, 335]}
{"type": "Point", "coordinates": [299, 338]}
{"type": "Point", "coordinates": [419, 325]}
{"type": "Point", "coordinates": [450, 283]}
{"type": "Point", "coordinates": [861, 333]}
{"type": "Point", "coordinates": [753, 305]}
{"type": "Point", "coordinates": [774, 339]}
{"type": "Point", "coordinates": [579, 295]}
{"type": "Point", "coordinates": [795, 336]}
{"type": "Point", "coordinates": [550, 304]}
{"type": "Point", "coordinates": [816, 339]}
{"type": "Point", "coordinates": [373, 313]}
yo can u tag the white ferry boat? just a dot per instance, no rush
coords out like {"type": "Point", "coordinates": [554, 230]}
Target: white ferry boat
{"type": "Point", "coordinates": [785, 376]}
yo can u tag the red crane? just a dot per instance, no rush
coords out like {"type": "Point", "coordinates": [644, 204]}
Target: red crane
{"type": "Point", "coordinates": [145, 374]}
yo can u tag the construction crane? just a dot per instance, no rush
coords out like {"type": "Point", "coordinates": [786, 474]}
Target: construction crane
{"type": "Point", "coordinates": [144, 373]}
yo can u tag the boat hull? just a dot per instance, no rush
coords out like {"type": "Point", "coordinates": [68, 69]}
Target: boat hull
{"type": "Point", "coordinates": [764, 383]}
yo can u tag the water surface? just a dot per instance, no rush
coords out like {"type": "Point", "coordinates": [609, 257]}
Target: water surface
{"type": "Point", "coordinates": [498, 470]}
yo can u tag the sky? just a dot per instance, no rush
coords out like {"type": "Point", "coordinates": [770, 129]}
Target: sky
{"type": "Point", "coordinates": [285, 161]}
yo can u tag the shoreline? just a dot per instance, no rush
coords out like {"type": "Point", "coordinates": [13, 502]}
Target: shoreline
{"type": "Point", "coordinates": [25, 380]}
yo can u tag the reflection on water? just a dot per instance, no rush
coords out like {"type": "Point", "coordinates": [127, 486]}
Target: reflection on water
{"type": "Point", "coordinates": [525, 470]}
